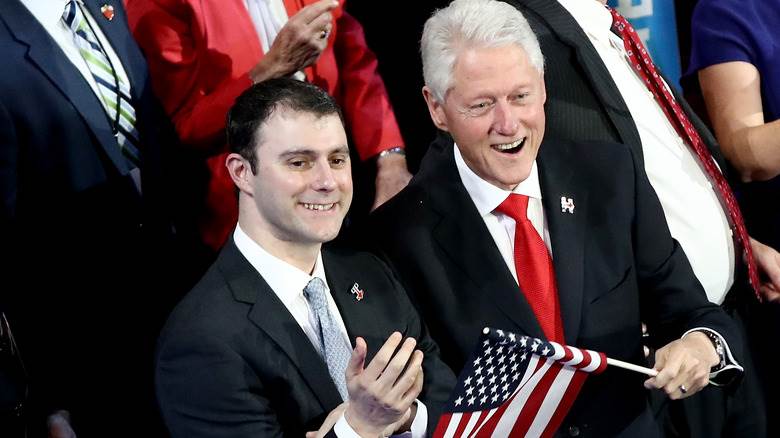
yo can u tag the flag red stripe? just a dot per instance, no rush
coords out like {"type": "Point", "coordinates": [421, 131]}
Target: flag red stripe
{"type": "Point", "coordinates": [535, 399]}
{"type": "Point", "coordinates": [480, 420]}
{"type": "Point", "coordinates": [603, 365]}
{"type": "Point", "coordinates": [565, 404]}
{"type": "Point", "coordinates": [568, 354]}
{"type": "Point", "coordinates": [487, 429]}
{"type": "Point", "coordinates": [586, 359]}
{"type": "Point", "coordinates": [464, 420]}
{"type": "Point", "coordinates": [441, 427]}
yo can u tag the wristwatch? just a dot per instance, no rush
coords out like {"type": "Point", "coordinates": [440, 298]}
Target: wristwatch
{"type": "Point", "coordinates": [393, 150]}
{"type": "Point", "coordinates": [718, 344]}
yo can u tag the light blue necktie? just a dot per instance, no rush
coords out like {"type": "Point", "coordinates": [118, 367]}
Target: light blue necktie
{"type": "Point", "coordinates": [335, 349]}
{"type": "Point", "coordinates": [112, 88]}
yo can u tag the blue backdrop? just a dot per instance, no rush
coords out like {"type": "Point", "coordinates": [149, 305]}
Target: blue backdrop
{"type": "Point", "coordinates": [654, 21]}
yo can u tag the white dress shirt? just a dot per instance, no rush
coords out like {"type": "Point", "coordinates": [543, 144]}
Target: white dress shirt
{"type": "Point", "coordinates": [488, 197]}
{"type": "Point", "coordinates": [693, 211]}
{"type": "Point", "coordinates": [49, 14]}
{"type": "Point", "coordinates": [288, 283]}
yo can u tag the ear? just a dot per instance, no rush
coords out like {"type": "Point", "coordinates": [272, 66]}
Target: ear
{"type": "Point", "coordinates": [240, 172]}
{"type": "Point", "coordinates": [544, 89]}
{"type": "Point", "coordinates": [436, 109]}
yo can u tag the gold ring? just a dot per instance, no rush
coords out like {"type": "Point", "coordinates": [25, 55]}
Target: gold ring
{"type": "Point", "coordinates": [324, 33]}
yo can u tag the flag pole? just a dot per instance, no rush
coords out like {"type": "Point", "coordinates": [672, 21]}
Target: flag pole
{"type": "Point", "coordinates": [629, 366]}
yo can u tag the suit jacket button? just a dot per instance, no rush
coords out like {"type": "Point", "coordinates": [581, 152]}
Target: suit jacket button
{"type": "Point", "coordinates": [574, 431]}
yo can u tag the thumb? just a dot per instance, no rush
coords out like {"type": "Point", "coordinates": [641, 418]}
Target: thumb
{"type": "Point", "coordinates": [658, 365]}
{"type": "Point", "coordinates": [357, 360]}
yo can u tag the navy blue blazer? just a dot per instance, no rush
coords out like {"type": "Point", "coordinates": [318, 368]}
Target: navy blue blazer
{"type": "Point", "coordinates": [75, 231]}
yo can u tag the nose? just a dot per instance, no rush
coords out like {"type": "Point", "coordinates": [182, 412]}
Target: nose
{"type": "Point", "coordinates": [505, 121]}
{"type": "Point", "coordinates": [324, 178]}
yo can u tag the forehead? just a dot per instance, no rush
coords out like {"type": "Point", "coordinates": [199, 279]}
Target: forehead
{"type": "Point", "coordinates": [288, 129]}
{"type": "Point", "coordinates": [493, 70]}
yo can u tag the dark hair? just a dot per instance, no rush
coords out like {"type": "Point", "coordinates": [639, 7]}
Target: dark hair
{"type": "Point", "coordinates": [258, 103]}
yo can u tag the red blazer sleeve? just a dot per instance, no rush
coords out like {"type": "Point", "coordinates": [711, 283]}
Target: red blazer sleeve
{"type": "Point", "coordinates": [196, 86]}
{"type": "Point", "coordinates": [361, 91]}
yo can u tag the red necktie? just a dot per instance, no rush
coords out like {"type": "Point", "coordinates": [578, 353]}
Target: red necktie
{"type": "Point", "coordinates": [534, 268]}
{"type": "Point", "coordinates": [641, 62]}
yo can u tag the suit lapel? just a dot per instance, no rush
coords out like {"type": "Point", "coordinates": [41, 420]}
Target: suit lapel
{"type": "Point", "coordinates": [462, 234]}
{"type": "Point", "coordinates": [358, 316]}
{"type": "Point", "coordinates": [270, 315]}
{"type": "Point", "coordinates": [566, 28]}
{"type": "Point", "coordinates": [47, 56]}
{"type": "Point", "coordinates": [567, 230]}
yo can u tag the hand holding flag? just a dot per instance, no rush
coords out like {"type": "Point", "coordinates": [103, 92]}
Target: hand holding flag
{"type": "Point", "coordinates": [519, 386]}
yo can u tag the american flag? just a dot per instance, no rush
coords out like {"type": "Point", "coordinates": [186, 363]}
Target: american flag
{"type": "Point", "coordinates": [516, 386]}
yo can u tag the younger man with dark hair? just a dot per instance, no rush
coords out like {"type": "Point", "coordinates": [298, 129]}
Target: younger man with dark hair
{"type": "Point", "coordinates": [261, 346]}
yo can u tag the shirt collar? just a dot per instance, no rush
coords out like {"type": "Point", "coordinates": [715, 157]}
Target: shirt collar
{"type": "Point", "coordinates": [488, 197]}
{"type": "Point", "coordinates": [47, 12]}
{"type": "Point", "coordinates": [592, 16]}
{"type": "Point", "coordinates": [285, 280]}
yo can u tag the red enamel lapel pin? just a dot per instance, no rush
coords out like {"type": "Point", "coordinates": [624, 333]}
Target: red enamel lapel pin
{"type": "Point", "coordinates": [107, 11]}
{"type": "Point", "coordinates": [357, 291]}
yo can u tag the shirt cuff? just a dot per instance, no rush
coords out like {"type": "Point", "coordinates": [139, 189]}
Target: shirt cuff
{"type": "Point", "coordinates": [724, 375]}
{"type": "Point", "coordinates": [419, 424]}
{"type": "Point", "coordinates": [342, 429]}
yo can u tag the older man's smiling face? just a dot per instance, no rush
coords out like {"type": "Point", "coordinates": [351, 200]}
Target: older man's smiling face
{"type": "Point", "coordinates": [495, 112]}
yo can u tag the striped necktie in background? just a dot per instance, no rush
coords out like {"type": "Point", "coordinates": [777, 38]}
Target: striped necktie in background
{"type": "Point", "coordinates": [111, 87]}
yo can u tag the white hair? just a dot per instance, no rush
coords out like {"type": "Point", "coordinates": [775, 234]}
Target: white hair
{"type": "Point", "coordinates": [467, 24]}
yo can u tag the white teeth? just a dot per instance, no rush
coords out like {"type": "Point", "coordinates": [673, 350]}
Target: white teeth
{"type": "Point", "coordinates": [507, 146]}
{"type": "Point", "coordinates": [318, 207]}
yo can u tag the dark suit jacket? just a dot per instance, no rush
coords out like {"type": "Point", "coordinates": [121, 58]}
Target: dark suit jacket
{"type": "Point", "coordinates": [584, 103]}
{"type": "Point", "coordinates": [233, 362]}
{"type": "Point", "coordinates": [615, 265]}
{"type": "Point", "coordinates": [75, 231]}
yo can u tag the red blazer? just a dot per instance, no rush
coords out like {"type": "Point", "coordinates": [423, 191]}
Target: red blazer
{"type": "Point", "coordinates": [199, 53]}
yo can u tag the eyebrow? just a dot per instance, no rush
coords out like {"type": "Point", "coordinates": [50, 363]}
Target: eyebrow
{"type": "Point", "coordinates": [311, 153]}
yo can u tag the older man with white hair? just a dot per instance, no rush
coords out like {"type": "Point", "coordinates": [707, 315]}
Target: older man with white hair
{"type": "Point", "coordinates": [553, 239]}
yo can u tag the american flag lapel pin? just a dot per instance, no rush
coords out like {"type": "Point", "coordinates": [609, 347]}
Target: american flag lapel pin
{"type": "Point", "coordinates": [107, 11]}
{"type": "Point", "coordinates": [357, 292]}
{"type": "Point", "coordinates": [567, 204]}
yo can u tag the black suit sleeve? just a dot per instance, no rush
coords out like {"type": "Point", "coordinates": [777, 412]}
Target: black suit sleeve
{"type": "Point", "coordinates": [438, 377]}
{"type": "Point", "coordinates": [673, 300]}
{"type": "Point", "coordinates": [8, 164]}
{"type": "Point", "coordinates": [205, 389]}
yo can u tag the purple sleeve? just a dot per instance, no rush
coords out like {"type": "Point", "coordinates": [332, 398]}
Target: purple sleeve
{"type": "Point", "coordinates": [724, 31]}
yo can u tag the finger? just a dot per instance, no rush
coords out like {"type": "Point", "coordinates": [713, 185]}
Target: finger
{"type": "Point", "coordinates": [668, 363]}
{"type": "Point", "coordinates": [397, 364]}
{"type": "Point", "coordinates": [383, 356]}
{"type": "Point", "coordinates": [357, 360]}
{"type": "Point", "coordinates": [311, 434]}
{"type": "Point", "coordinates": [314, 11]}
{"type": "Point", "coordinates": [323, 22]}
{"type": "Point", "coordinates": [416, 388]}
{"type": "Point", "coordinates": [406, 380]}
{"type": "Point", "coordinates": [683, 380]}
